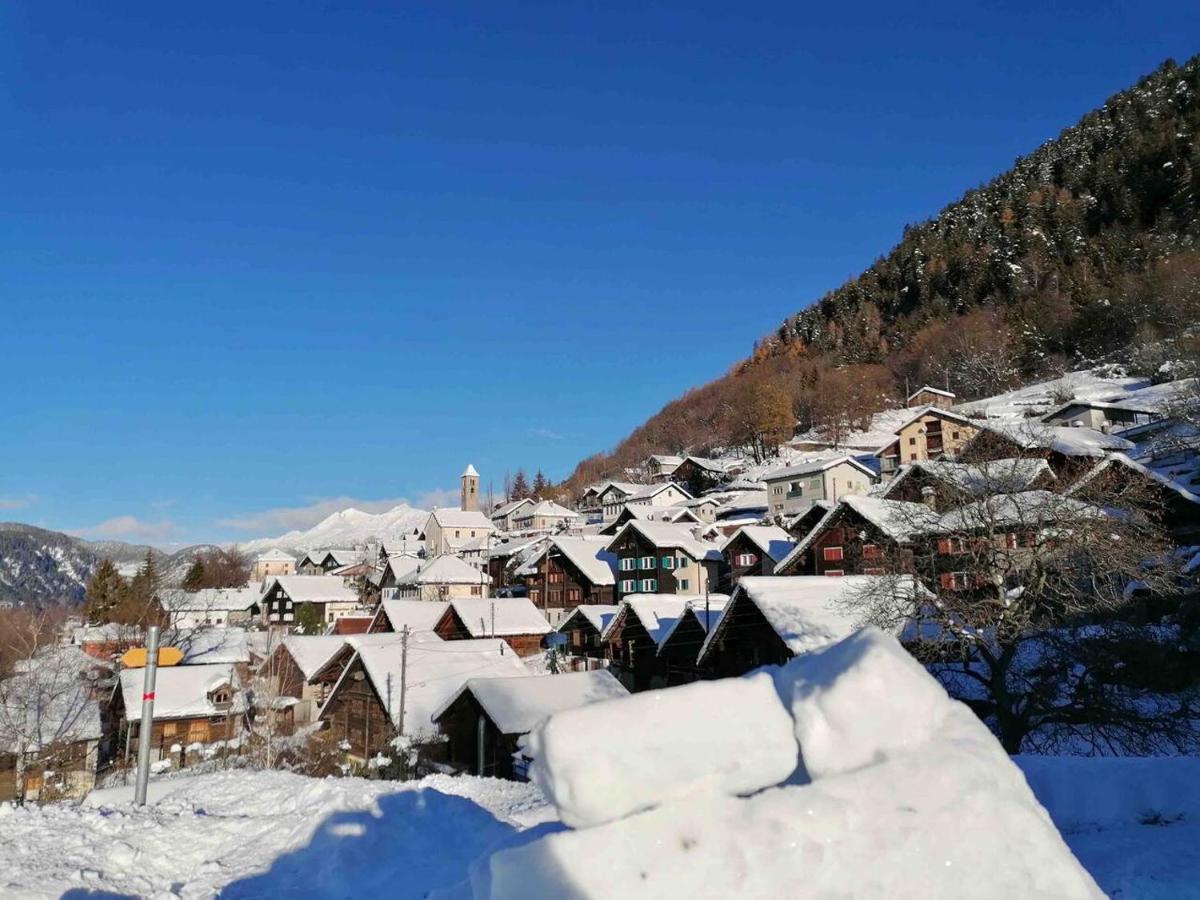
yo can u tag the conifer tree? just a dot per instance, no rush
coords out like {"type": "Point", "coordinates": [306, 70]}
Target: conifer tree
{"type": "Point", "coordinates": [540, 486]}
{"type": "Point", "coordinates": [520, 486]}
{"type": "Point", "coordinates": [308, 620]}
{"type": "Point", "coordinates": [194, 579]}
{"type": "Point", "coordinates": [104, 592]}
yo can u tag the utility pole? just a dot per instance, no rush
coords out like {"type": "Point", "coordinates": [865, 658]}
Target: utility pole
{"type": "Point", "coordinates": [146, 723]}
{"type": "Point", "coordinates": [493, 618]}
{"type": "Point", "coordinates": [403, 674]}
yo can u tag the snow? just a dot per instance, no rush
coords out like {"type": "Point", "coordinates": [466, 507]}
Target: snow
{"type": "Point", "coordinates": [905, 794]}
{"type": "Point", "coordinates": [1064, 439]}
{"type": "Point", "coordinates": [518, 705]}
{"type": "Point", "coordinates": [314, 589]}
{"type": "Point", "coordinates": [659, 613]}
{"type": "Point", "coordinates": [445, 569]}
{"type": "Point", "coordinates": [461, 518]}
{"type": "Point", "coordinates": [669, 535]}
{"type": "Point", "coordinates": [209, 600]}
{"type": "Point", "coordinates": [770, 539]}
{"type": "Point", "coordinates": [599, 615]}
{"type": "Point", "coordinates": [181, 691]}
{"type": "Point", "coordinates": [996, 476]}
{"type": "Point", "coordinates": [605, 761]}
{"type": "Point", "coordinates": [263, 834]}
{"type": "Point", "coordinates": [205, 646]}
{"type": "Point", "coordinates": [419, 615]}
{"type": "Point", "coordinates": [348, 528]}
{"type": "Point", "coordinates": [311, 654]}
{"type": "Point", "coordinates": [500, 616]}
{"type": "Point", "coordinates": [591, 556]}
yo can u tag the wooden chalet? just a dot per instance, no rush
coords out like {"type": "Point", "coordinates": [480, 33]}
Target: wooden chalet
{"type": "Point", "coordinates": [861, 536]}
{"type": "Point", "coordinates": [485, 720]}
{"type": "Point", "coordinates": [514, 619]}
{"type": "Point", "coordinates": [945, 484]}
{"type": "Point", "coordinates": [322, 562]}
{"type": "Point", "coordinates": [193, 705]}
{"type": "Point", "coordinates": [572, 571]}
{"type": "Point", "coordinates": [679, 651]}
{"type": "Point", "coordinates": [585, 628]}
{"type": "Point", "coordinates": [1178, 507]}
{"type": "Point", "coordinates": [283, 597]}
{"type": "Point", "coordinates": [664, 558]}
{"type": "Point", "coordinates": [632, 639]}
{"type": "Point", "coordinates": [755, 550]}
{"type": "Point", "coordinates": [1070, 451]}
{"type": "Point", "coordinates": [299, 668]}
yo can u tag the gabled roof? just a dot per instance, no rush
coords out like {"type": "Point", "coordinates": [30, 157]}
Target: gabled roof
{"type": "Point", "coordinates": [818, 465]}
{"type": "Point", "coordinates": [667, 534]}
{"type": "Point", "coordinates": [932, 390]}
{"type": "Point", "coordinates": [212, 645]}
{"type": "Point", "coordinates": [705, 615]}
{"type": "Point", "coordinates": [625, 487]}
{"type": "Point", "coordinates": [919, 413]}
{"type": "Point", "coordinates": [810, 611]}
{"type": "Point", "coordinates": [896, 519]}
{"type": "Point", "coordinates": [501, 511]}
{"type": "Point", "coordinates": [548, 508]}
{"type": "Point", "coordinates": [314, 588]}
{"type": "Point", "coordinates": [181, 692]}
{"type": "Point", "coordinates": [1022, 508]}
{"type": "Point", "coordinates": [591, 556]}
{"type": "Point", "coordinates": [659, 613]}
{"type": "Point", "coordinates": [648, 491]}
{"type": "Point", "coordinates": [1124, 406]}
{"type": "Point", "coordinates": [599, 615]}
{"type": "Point", "coordinates": [311, 654]}
{"type": "Point", "coordinates": [1066, 440]}
{"type": "Point", "coordinates": [469, 472]}
{"type": "Point", "coordinates": [518, 705]}
{"type": "Point", "coordinates": [435, 672]}
{"type": "Point", "coordinates": [47, 704]}
{"type": "Point", "coordinates": [445, 569]}
{"type": "Point", "coordinates": [460, 518]}
{"type": "Point", "coordinates": [209, 599]}
{"type": "Point", "coordinates": [500, 616]}
{"type": "Point", "coordinates": [275, 555]}
{"type": "Point", "coordinates": [419, 615]}
{"type": "Point", "coordinates": [770, 539]}
{"type": "Point", "coordinates": [1120, 459]}
{"type": "Point", "coordinates": [995, 476]}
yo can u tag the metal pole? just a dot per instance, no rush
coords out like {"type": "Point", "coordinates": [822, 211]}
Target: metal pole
{"type": "Point", "coordinates": [480, 731]}
{"type": "Point", "coordinates": [146, 723]}
{"type": "Point", "coordinates": [493, 618]}
{"type": "Point", "coordinates": [403, 673]}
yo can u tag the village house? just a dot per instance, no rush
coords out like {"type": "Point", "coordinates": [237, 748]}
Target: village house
{"type": "Point", "coordinates": [292, 671]}
{"type": "Point", "coordinates": [681, 515]}
{"type": "Point", "coordinates": [545, 515]}
{"type": "Point", "coordinates": [1101, 416]}
{"type": "Point", "coordinates": [613, 496]}
{"type": "Point", "coordinates": [449, 531]}
{"type": "Point", "coordinates": [442, 578]}
{"type": "Point", "coordinates": [502, 516]}
{"type": "Point", "coordinates": [395, 569]}
{"type": "Point", "coordinates": [794, 489]}
{"type": "Point", "coordinates": [945, 483]}
{"type": "Point", "coordinates": [507, 555]}
{"type": "Point", "coordinates": [585, 628]}
{"type": "Point", "coordinates": [515, 619]}
{"type": "Point", "coordinates": [210, 606]}
{"type": "Point", "coordinates": [662, 558]}
{"type": "Point", "coordinates": [930, 396]}
{"type": "Point", "coordinates": [192, 705]}
{"type": "Point", "coordinates": [283, 597]}
{"type": "Point", "coordinates": [660, 467]}
{"type": "Point", "coordinates": [322, 562]}
{"type": "Point", "coordinates": [1070, 451]}
{"type": "Point", "coordinates": [666, 494]}
{"type": "Point", "coordinates": [767, 621]}
{"type": "Point", "coordinates": [485, 720]}
{"type": "Point", "coordinates": [930, 433]}
{"type": "Point", "coordinates": [755, 550]}
{"type": "Point", "coordinates": [1178, 507]}
{"type": "Point", "coordinates": [273, 562]}
{"type": "Point", "coordinates": [632, 639]}
{"type": "Point", "coordinates": [799, 526]}
{"type": "Point", "coordinates": [364, 706]}
{"type": "Point", "coordinates": [697, 474]}
{"type": "Point", "coordinates": [679, 649]}
{"type": "Point", "coordinates": [420, 616]}
{"type": "Point", "coordinates": [571, 571]}
{"type": "Point", "coordinates": [860, 536]}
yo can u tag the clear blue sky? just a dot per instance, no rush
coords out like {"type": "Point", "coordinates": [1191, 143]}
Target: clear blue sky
{"type": "Point", "coordinates": [259, 258]}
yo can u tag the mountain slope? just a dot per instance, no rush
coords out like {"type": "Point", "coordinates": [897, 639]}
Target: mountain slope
{"type": "Point", "coordinates": [348, 528]}
{"type": "Point", "coordinates": [1087, 249]}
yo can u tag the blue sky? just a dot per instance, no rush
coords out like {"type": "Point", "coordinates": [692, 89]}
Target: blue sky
{"type": "Point", "coordinates": [258, 261]}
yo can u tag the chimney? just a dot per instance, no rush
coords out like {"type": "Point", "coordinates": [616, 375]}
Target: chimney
{"type": "Point", "coordinates": [929, 497]}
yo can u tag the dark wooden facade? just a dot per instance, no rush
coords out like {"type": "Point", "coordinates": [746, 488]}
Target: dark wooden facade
{"type": "Point", "coordinates": [744, 557]}
{"type": "Point", "coordinates": [461, 723]}
{"type": "Point", "coordinates": [560, 584]}
{"type": "Point", "coordinates": [848, 544]}
{"type": "Point", "coordinates": [678, 656]}
{"type": "Point", "coordinates": [355, 714]}
{"type": "Point", "coordinates": [452, 628]}
{"type": "Point", "coordinates": [742, 641]}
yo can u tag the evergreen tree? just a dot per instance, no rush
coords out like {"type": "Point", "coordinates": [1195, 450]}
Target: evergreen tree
{"type": "Point", "coordinates": [105, 590]}
{"type": "Point", "coordinates": [520, 486]}
{"type": "Point", "coordinates": [540, 486]}
{"type": "Point", "coordinates": [308, 620]}
{"type": "Point", "coordinates": [194, 579]}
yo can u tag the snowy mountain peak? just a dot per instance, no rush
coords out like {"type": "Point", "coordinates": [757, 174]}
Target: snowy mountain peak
{"type": "Point", "coordinates": [347, 528]}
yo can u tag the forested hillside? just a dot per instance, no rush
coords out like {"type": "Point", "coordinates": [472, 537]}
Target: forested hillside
{"type": "Point", "coordinates": [1087, 249]}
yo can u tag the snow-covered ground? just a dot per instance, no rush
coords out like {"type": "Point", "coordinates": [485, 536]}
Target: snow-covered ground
{"type": "Point", "coordinates": [864, 781]}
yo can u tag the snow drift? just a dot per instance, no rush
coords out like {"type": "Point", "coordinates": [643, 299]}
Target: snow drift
{"type": "Point", "coordinates": [906, 793]}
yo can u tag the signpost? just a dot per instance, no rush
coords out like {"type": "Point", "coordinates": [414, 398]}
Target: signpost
{"type": "Point", "coordinates": [135, 658]}
{"type": "Point", "coordinates": [146, 723]}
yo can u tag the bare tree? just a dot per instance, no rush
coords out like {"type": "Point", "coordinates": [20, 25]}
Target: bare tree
{"type": "Point", "coordinates": [1041, 606]}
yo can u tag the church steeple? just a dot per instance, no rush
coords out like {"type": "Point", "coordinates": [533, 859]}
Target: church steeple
{"type": "Point", "coordinates": [469, 498]}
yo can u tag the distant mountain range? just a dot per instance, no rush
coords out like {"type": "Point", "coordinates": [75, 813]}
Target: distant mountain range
{"type": "Point", "coordinates": [52, 568]}
{"type": "Point", "coordinates": [348, 528]}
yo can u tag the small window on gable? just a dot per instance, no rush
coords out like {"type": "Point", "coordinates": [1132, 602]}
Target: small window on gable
{"type": "Point", "coordinates": [831, 554]}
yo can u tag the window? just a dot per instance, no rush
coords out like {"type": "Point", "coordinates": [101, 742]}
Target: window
{"type": "Point", "coordinates": [629, 586]}
{"type": "Point", "coordinates": [476, 590]}
{"type": "Point", "coordinates": [576, 638]}
{"type": "Point", "coordinates": [649, 585]}
{"type": "Point", "coordinates": [831, 554]}
{"type": "Point", "coordinates": [745, 559]}
{"type": "Point", "coordinates": [647, 562]}
{"type": "Point", "coordinates": [954, 434]}
{"type": "Point", "coordinates": [628, 564]}
{"type": "Point", "coordinates": [950, 546]}
{"type": "Point", "coordinates": [684, 584]}
{"type": "Point", "coordinates": [873, 571]}
{"type": "Point", "coordinates": [871, 551]}
{"type": "Point", "coordinates": [573, 595]}
{"type": "Point", "coordinates": [668, 562]}
{"type": "Point", "coordinates": [912, 442]}
{"type": "Point", "coordinates": [834, 573]}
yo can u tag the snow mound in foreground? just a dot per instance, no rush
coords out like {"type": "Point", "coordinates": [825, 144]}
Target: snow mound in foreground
{"type": "Point", "coordinates": [910, 795]}
{"type": "Point", "coordinates": [730, 736]}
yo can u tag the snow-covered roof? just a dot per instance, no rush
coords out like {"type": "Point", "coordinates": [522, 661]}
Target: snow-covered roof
{"type": "Point", "coordinates": [44, 705]}
{"type": "Point", "coordinates": [209, 599]}
{"type": "Point", "coordinates": [770, 539]}
{"type": "Point", "coordinates": [926, 389]}
{"type": "Point", "coordinates": [204, 646]}
{"type": "Point", "coordinates": [1067, 440]}
{"type": "Point", "coordinates": [419, 615]}
{"type": "Point", "coordinates": [435, 673]}
{"type": "Point", "coordinates": [518, 705]}
{"type": "Point", "coordinates": [705, 614]}
{"type": "Point", "coordinates": [624, 487]}
{"type": "Point", "coordinates": [996, 476]}
{"type": "Point", "coordinates": [548, 509]}
{"type": "Point", "coordinates": [811, 611]}
{"type": "Point", "coordinates": [649, 491]}
{"type": "Point", "coordinates": [659, 613]}
{"type": "Point", "coordinates": [899, 520]}
{"type": "Point", "coordinates": [461, 518]}
{"type": "Point", "coordinates": [1023, 508]}
{"type": "Point", "coordinates": [469, 472]}
{"type": "Point", "coordinates": [507, 615]}
{"type": "Point", "coordinates": [275, 555]}
{"type": "Point", "coordinates": [1155, 474]}
{"type": "Point", "coordinates": [1125, 406]}
{"type": "Point", "coordinates": [591, 556]}
{"type": "Point", "coordinates": [814, 466]}
{"type": "Point", "coordinates": [311, 654]}
{"type": "Point", "coordinates": [920, 412]}
{"type": "Point", "coordinates": [501, 511]}
{"type": "Point", "coordinates": [314, 588]}
{"type": "Point", "coordinates": [599, 615]}
{"type": "Point", "coordinates": [445, 569]}
{"type": "Point", "coordinates": [182, 692]}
